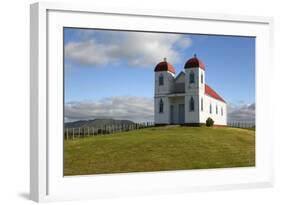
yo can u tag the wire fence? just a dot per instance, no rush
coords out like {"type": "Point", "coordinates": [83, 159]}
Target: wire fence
{"type": "Point", "coordinates": [80, 132]}
{"type": "Point", "coordinates": [247, 124]}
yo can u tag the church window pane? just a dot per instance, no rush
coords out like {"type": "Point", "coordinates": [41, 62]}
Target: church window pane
{"type": "Point", "coordinates": [191, 77]}
{"type": "Point", "coordinates": [191, 104]}
{"type": "Point", "coordinates": [161, 106]}
{"type": "Point", "coordinates": [161, 80]}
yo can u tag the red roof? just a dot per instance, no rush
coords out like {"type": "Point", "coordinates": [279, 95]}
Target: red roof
{"type": "Point", "coordinates": [209, 91]}
{"type": "Point", "coordinates": [194, 63]}
{"type": "Point", "coordinates": [164, 66]}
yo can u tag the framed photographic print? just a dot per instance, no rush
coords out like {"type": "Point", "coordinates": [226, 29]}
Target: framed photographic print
{"type": "Point", "coordinates": [129, 102]}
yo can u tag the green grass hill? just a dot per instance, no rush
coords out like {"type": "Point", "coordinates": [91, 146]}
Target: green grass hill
{"type": "Point", "coordinates": [160, 149]}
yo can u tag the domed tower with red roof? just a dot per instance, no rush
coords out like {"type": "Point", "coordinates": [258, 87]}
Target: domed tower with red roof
{"type": "Point", "coordinates": [194, 89]}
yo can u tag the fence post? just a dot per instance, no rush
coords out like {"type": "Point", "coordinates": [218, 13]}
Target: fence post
{"type": "Point", "coordinates": [66, 133]}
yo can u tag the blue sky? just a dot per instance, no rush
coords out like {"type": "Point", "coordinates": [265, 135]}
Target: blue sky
{"type": "Point", "coordinates": [102, 66]}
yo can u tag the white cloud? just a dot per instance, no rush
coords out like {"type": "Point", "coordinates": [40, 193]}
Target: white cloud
{"type": "Point", "coordinates": [133, 108]}
{"type": "Point", "coordinates": [184, 43]}
{"type": "Point", "coordinates": [135, 48]}
{"type": "Point", "coordinates": [241, 112]}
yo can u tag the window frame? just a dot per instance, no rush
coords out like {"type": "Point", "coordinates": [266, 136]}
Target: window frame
{"type": "Point", "coordinates": [161, 106]}
{"type": "Point", "coordinates": [191, 80]}
{"type": "Point", "coordinates": [161, 80]}
{"type": "Point", "coordinates": [191, 104]}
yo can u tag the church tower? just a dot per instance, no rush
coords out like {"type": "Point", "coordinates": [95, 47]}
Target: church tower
{"type": "Point", "coordinates": [194, 89]}
{"type": "Point", "coordinates": [164, 84]}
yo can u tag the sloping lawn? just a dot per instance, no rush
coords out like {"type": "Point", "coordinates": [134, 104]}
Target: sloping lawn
{"type": "Point", "coordinates": [160, 148]}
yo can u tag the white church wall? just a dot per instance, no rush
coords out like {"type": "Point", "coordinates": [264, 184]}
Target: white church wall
{"type": "Point", "coordinates": [201, 82]}
{"type": "Point", "coordinates": [219, 118]}
{"type": "Point", "coordinates": [168, 82]}
{"type": "Point", "coordinates": [161, 118]}
{"type": "Point", "coordinates": [191, 116]}
{"type": "Point", "coordinates": [197, 77]}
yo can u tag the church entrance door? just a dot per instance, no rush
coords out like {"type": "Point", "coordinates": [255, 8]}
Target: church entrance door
{"type": "Point", "coordinates": [181, 114]}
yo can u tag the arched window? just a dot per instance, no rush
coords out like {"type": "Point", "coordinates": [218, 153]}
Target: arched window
{"type": "Point", "coordinates": [210, 108]}
{"type": "Point", "coordinates": [161, 106]}
{"type": "Point", "coordinates": [202, 106]}
{"type": "Point", "coordinates": [191, 77]}
{"type": "Point", "coordinates": [221, 111]}
{"type": "Point", "coordinates": [201, 78]}
{"type": "Point", "coordinates": [191, 104]}
{"type": "Point", "coordinates": [216, 109]}
{"type": "Point", "coordinates": [161, 80]}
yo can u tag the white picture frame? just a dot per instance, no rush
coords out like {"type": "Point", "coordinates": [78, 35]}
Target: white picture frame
{"type": "Point", "coordinates": [47, 182]}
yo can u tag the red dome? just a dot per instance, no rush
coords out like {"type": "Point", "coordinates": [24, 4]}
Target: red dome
{"type": "Point", "coordinates": [194, 62]}
{"type": "Point", "coordinates": [164, 66]}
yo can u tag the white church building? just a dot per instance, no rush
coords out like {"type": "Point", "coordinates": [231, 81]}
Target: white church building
{"type": "Point", "coordinates": [186, 98]}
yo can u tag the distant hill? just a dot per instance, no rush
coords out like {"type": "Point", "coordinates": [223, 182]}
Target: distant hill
{"type": "Point", "coordinates": [97, 123]}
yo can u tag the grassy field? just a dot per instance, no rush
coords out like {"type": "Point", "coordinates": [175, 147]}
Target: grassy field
{"type": "Point", "coordinates": [160, 148]}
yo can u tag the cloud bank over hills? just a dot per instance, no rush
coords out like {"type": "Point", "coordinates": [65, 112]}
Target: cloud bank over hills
{"type": "Point", "coordinates": [138, 109]}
